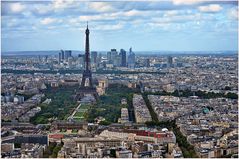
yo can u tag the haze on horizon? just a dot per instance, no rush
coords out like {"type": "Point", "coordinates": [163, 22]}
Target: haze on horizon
{"type": "Point", "coordinates": [174, 25]}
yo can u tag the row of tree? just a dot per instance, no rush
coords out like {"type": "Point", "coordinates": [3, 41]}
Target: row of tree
{"type": "Point", "coordinates": [75, 71]}
{"type": "Point", "coordinates": [187, 149]}
{"type": "Point", "coordinates": [200, 94]}
{"type": "Point", "coordinates": [62, 104]}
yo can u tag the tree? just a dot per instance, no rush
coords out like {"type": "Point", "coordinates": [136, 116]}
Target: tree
{"type": "Point", "coordinates": [227, 88]}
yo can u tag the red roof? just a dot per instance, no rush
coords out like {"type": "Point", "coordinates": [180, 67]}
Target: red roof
{"type": "Point", "coordinates": [56, 136]}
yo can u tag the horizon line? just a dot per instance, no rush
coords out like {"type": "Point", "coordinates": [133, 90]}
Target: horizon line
{"type": "Point", "coordinates": [122, 48]}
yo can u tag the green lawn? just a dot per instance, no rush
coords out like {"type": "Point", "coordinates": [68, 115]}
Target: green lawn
{"type": "Point", "coordinates": [80, 114]}
{"type": "Point", "coordinates": [79, 119]}
{"type": "Point", "coordinates": [109, 106]}
{"type": "Point", "coordinates": [61, 106]}
{"type": "Point", "coordinates": [84, 106]}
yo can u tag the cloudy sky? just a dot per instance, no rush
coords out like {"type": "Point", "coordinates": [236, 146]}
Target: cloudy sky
{"type": "Point", "coordinates": [173, 25]}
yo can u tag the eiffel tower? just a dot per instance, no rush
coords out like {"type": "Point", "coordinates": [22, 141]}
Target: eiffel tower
{"type": "Point", "coordinates": [87, 75]}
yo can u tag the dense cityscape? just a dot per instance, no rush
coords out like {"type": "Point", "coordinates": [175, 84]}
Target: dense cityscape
{"type": "Point", "coordinates": [149, 105]}
{"type": "Point", "coordinates": [121, 102]}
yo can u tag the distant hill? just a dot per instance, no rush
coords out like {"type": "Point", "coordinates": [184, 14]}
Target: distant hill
{"type": "Point", "coordinates": [75, 52]}
{"type": "Point", "coordinates": [50, 52]}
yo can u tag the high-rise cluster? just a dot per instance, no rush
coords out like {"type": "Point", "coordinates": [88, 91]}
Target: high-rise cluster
{"type": "Point", "coordinates": [64, 55]}
{"type": "Point", "coordinates": [119, 59]}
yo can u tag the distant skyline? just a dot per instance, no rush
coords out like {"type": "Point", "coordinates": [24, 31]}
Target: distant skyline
{"type": "Point", "coordinates": [173, 25]}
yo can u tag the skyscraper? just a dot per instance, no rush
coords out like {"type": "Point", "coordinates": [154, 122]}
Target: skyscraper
{"type": "Point", "coordinates": [123, 57]}
{"type": "Point", "coordinates": [61, 56]}
{"type": "Point", "coordinates": [81, 60]}
{"type": "Point", "coordinates": [117, 61]}
{"type": "Point", "coordinates": [109, 57]}
{"type": "Point", "coordinates": [131, 59]}
{"type": "Point", "coordinates": [39, 58]}
{"type": "Point", "coordinates": [114, 54]}
{"type": "Point", "coordinates": [114, 57]}
{"type": "Point", "coordinates": [99, 58]}
{"type": "Point", "coordinates": [67, 54]}
{"type": "Point", "coordinates": [45, 59]}
{"type": "Point", "coordinates": [93, 57]}
{"type": "Point", "coordinates": [147, 63]}
{"type": "Point", "coordinates": [169, 61]}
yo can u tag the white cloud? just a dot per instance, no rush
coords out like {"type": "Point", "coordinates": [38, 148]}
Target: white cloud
{"type": "Point", "coordinates": [61, 4]}
{"type": "Point", "coordinates": [55, 6]}
{"type": "Point", "coordinates": [177, 18]}
{"type": "Point", "coordinates": [133, 13]}
{"type": "Point", "coordinates": [17, 7]}
{"type": "Point", "coordinates": [105, 15]}
{"type": "Point", "coordinates": [233, 13]}
{"type": "Point", "coordinates": [47, 21]}
{"type": "Point", "coordinates": [96, 17]}
{"type": "Point", "coordinates": [170, 13]}
{"type": "Point", "coordinates": [11, 23]}
{"type": "Point", "coordinates": [73, 20]}
{"type": "Point", "coordinates": [116, 16]}
{"type": "Point", "coordinates": [109, 27]}
{"type": "Point", "coordinates": [210, 8]}
{"type": "Point", "coordinates": [163, 26]}
{"type": "Point", "coordinates": [137, 13]}
{"type": "Point", "coordinates": [186, 2]}
{"type": "Point", "coordinates": [42, 8]}
{"type": "Point", "coordinates": [73, 6]}
{"type": "Point", "coordinates": [101, 6]}
{"type": "Point", "coordinates": [137, 22]}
